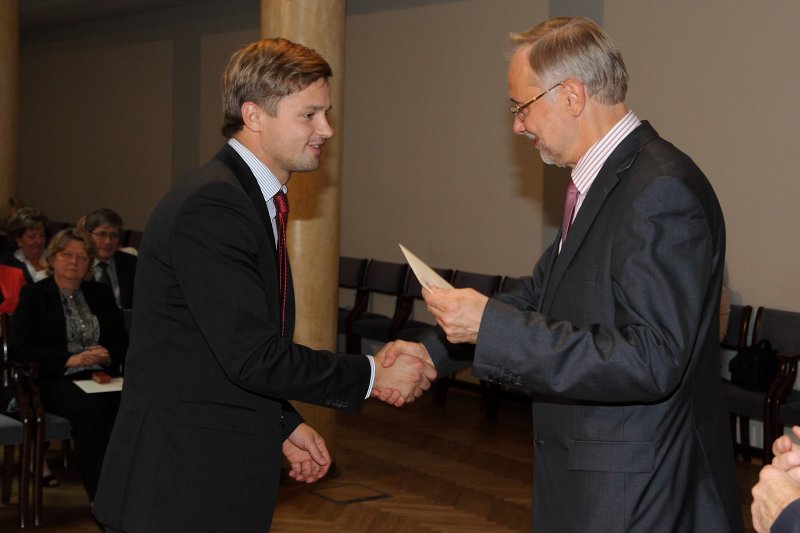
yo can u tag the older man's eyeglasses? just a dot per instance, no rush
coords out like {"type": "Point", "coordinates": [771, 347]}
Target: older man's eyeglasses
{"type": "Point", "coordinates": [106, 235]}
{"type": "Point", "coordinates": [519, 110]}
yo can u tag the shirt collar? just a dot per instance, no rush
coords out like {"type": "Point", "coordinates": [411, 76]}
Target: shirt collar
{"type": "Point", "coordinates": [592, 161]}
{"type": "Point", "coordinates": [267, 182]}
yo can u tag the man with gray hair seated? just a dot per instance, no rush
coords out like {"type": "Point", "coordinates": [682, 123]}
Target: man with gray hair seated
{"type": "Point", "coordinates": [111, 265]}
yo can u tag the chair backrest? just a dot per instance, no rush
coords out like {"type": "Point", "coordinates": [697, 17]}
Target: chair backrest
{"type": "Point", "coordinates": [351, 271]}
{"type": "Point", "coordinates": [414, 288]}
{"type": "Point", "coordinates": [738, 326]}
{"type": "Point", "coordinates": [484, 283]}
{"type": "Point", "coordinates": [385, 277]}
{"type": "Point", "coordinates": [780, 328]}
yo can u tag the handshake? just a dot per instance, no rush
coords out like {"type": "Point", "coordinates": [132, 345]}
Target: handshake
{"type": "Point", "coordinates": [403, 371]}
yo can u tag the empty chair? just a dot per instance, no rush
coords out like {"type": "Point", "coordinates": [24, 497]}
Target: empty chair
{"type": "Point", "coordinates": [742, 404]}
{"type": "Point", "coordinates": [351, 275]}
{"type": "Point", "coordinates": [44, 427]}
{"type": "Point", "coordinates": [782, 329]}
{"type": "Point", "coordinates": [16, 432]}
{"type": "Point", "coordinates": [381, 278]}
{"type": "Point", "coordinates": [386, 328]}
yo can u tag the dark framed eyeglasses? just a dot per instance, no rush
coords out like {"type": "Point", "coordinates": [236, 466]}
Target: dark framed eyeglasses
{"type": "Point", "coordinates": [106, 235]}
{"type": "Point", "coordinates": [517, 110]}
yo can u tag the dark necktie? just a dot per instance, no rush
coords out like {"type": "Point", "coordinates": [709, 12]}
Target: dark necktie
{"type": "Point", "coordinates": [282, 208]}
{"type": "Point", "coordinates": [569, 208]}
{"type": "Point", "coordinates": [104, 277]}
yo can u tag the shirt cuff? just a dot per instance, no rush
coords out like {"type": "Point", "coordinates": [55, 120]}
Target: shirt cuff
{"type": "Point", "coordinates": [371, 375]}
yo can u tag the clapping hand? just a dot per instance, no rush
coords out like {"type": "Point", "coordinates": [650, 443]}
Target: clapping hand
{"type": "Point", "coordinates": [403, 371]}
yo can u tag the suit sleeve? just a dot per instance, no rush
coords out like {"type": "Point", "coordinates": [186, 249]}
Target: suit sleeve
{"type": "Point", "coordinates": [230, 286]}
{"type": "Point", "coordinates": [661, 249]}
{"type": "Point", "coordinates": [449, 358]}
{"type": "Point", "coordinates": [789, 519]}
{"type": "Point", "coordinates": [32, 336]}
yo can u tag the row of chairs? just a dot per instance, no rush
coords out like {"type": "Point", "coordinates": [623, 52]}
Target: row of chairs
{"type": "Point", "coordinates": [780, 404]}
{"type": "Point", "coordinates": [371, 277]}
{"type": "Point", "coordinates": [128, 238]}
{"type": "Point", "coordinates": [26, 432]}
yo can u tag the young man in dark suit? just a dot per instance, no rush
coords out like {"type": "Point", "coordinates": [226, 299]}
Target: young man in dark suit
{"type": "Point", "coordinates": [204, 419]}
{"type": "Point", "coordinates": [618, 326]}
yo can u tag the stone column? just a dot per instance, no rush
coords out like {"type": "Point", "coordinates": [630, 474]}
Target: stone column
{"type": "Point", "coordinates": [9, 102]}
{"type": "Point", "coordinates": [314, 204]}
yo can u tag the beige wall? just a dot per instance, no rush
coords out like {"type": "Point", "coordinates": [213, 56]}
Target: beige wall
{"type": "Point", "coordinates": [719, 79]}
{"type": "Point", "coordinates": [114, 110]}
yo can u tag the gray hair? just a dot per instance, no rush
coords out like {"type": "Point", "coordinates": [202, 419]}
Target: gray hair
{"type": "Point", "coordinates": [576, 48]}
{"type": "Point", "coordinates": [100, 217]}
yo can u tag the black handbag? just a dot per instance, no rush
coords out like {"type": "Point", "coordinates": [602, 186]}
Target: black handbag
{"type": "Point", "coordinates": [754, 367]}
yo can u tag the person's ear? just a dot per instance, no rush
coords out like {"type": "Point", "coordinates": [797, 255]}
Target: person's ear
{"type": "Point", "coordinates": [575, 93]}
{"type": "Point", "coordinates": [251, 116]}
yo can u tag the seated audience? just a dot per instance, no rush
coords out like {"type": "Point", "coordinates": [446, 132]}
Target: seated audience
{"type": "Point", "coordinates": [111, 265]}
{"type": "Point", "coordinates": [776, 496]}
{"type": "Point", "coordinates": [72, 328]}
{"type": "Point", "coordinates": [27, 232]}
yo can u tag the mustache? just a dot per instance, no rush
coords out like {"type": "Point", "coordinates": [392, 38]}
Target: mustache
{"type": "Point", "coordinates": [528, 135]}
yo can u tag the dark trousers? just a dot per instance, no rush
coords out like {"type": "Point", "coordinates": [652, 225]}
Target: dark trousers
{"type": "Point", "coordinates": [92, 417]}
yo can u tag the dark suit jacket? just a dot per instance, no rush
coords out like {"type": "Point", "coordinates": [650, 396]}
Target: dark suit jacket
{"type": "Point", "coordinates": [789, 519]}
{"type": "Point", "coordinates": [197, 442]}
{"type": "Point", "coordinates": [39, 330]}
{"type": "Point", "coordinates": [620, 331]}
{"type": "Point", "coordinates": [125, 265]}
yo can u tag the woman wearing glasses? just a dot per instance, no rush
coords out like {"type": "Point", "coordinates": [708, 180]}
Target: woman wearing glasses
{"type": "Point", "coordinates": [72, 328]}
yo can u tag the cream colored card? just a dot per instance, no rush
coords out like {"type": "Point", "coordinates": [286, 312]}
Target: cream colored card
{"type": "Point", "coordinates": [426, 275]}
{"type": "Point", "coordinates": [92, 387]}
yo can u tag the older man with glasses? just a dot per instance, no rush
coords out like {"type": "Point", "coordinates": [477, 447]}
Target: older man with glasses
{"type": "Point", "coordinates": [616, 331]}
{"type": "Point", "coordinates": [111, 266]}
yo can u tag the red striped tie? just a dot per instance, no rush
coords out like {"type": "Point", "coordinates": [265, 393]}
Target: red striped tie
{"type": "Point", "coordinates": [282, 207]}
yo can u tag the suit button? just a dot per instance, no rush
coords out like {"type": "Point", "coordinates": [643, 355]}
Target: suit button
{"type": "Point", "coordinates": [537, 442]}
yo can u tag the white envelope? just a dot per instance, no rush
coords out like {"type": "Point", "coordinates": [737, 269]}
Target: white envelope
{"type": "Point", "coordinates": [426, 275]}
{"type": "Point", "coordinates": [93, 387]}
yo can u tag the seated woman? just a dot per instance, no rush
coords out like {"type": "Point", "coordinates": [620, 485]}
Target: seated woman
{"type": "Point", "coordinates": [71, 328]}
{"type": "Point", "coordinates": [27, 232]}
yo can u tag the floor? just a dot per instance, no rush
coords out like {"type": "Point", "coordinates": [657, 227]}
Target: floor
{"type": "Point", "coordinates": [421, 469]}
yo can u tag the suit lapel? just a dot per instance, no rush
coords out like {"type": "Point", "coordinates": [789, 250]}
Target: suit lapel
{"type": "Point", "coordinates": [245, 176]}
{"type": "Point", "coordinates": [609, 176]}
{"type": "Point", "coordinates": [248, 181]}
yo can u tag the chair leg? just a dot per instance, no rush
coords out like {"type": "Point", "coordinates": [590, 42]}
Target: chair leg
{"type": "Point", "coordinates": [24, 482]}
{"type": "Point", "coordinates": [65, 448]}
{"type": "Point", "coordinates": [744, 437]}
{"type": "Point", "coordinates": [8, 472]}
{"type": "Point", "coordinates": [732, 419]}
